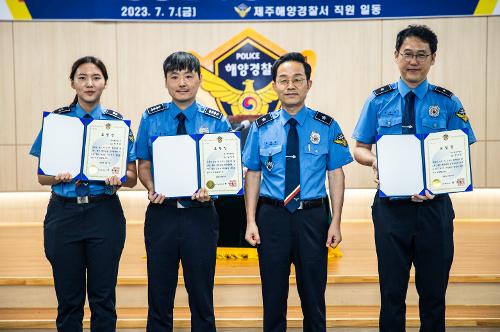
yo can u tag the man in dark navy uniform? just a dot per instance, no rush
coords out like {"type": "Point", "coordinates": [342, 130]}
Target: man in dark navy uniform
{"type": "Point", "coordinates": [416, 229]}
{"type": "Point", "coordinates": [176, 230]}
{"type": "Point", "coordinates": [288, 154]}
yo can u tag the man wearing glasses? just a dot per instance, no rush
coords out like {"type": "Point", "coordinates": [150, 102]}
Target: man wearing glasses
{"type": "Point", "coordinates": [414, 230]}
{"type": "Point", "coordinates": [288, 153]}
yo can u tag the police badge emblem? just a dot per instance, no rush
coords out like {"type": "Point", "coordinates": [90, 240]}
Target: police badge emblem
{"type": "Point", "coordinates": [269, 163]}
{"type": "Point", "coordinates": [108, 126]}
{"type": "Point", "coordinates": [434, 111]}
{"type": "Point", "coordinates": [315, 137]}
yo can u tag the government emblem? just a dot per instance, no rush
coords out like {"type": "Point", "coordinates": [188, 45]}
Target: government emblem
{"type": "Point", "coordinates": [434, 111]}
{"type": "Point", "coordinates": [315, 137]}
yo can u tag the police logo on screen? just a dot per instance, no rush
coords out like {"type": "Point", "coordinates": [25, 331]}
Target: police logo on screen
{"type": "Point", "coordinates": [241, 79]}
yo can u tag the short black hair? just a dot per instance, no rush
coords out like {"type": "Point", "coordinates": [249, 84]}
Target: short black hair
{"type": "Point", "coordinates": [178, 61]}
{"type": "Point", "coordinates": [422, 32]}
{"type": "Point", "coordinates": [292, 56]}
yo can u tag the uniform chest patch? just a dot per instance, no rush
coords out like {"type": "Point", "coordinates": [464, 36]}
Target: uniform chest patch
{"type": "Point", "coordinates": [434, 111]}
{"type": "Point", "coordinates": [315, 137]}
{"type": "Point", "coordinates": [131, 136]}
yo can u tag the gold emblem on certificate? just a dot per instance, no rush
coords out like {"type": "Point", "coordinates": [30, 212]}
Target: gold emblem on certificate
{"type": "Point", "coordinates": [210, 184]}
{"type": "Point", "coordinates": [106, 149]}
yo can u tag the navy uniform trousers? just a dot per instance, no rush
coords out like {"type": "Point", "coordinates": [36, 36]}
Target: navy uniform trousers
{"type": "Point", "coordinates": [188, 235]}
{"type": "Point", "coordinates": [297, 238]}
{"type": "Point", "coordinates": [420, 233]}
{"type": "Point", "coordinates": [84, 243]}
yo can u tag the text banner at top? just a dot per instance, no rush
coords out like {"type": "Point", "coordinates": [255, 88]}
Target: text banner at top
{"type": "Point", "coordinates": [239, 10]}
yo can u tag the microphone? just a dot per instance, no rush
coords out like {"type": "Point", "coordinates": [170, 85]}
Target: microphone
{"type": "Point", "coordinates": [243, 125]}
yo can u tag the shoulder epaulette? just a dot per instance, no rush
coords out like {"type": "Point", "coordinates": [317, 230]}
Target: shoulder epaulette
{"type": "Point", "coordinates": [112, 113]}
{"type": "Point", "coordinates": [321, 117]}
{"type": "Point", "coordinates": [263, 120]}
{"type": "Point", "coordinates": [155, 109]}
{"type": "Point", "coordinates": [62, 110]}
{"type": "Point", "coordinates": [383, 89]}
{"type": "Point", "coordinates": [211, 112]}
{"type": "Point", "coordinates": [443, 91]}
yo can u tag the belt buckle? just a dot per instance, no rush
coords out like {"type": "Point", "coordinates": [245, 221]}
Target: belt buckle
{"type": "Point", "coordinates": [82, 199]}
{"type": "Point", "coordinates": [301, 205]}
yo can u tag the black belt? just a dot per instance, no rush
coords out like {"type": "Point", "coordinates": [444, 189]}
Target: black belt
{"type": "Point", "coordinates": [306, 204]}
{"type": "Point", "coordinates": [83, 199]}
{"type": "Point", "coordinates": [186, 203]}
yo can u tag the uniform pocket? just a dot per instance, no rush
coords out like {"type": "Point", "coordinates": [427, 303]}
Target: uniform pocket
{"type": "Point", "coordinates": [434, 124]}
{"type": "Point", "coordinates": [389, 125]}
{"type": "Point", "coordinates": [269, 156]}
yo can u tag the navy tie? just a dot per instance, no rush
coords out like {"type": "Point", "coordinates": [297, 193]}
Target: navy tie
{"type": "Point", "coordinates": [82, 186]}
{"type": "Point", "coordinates": [181, 127]}
{"type": "Point", "coordinates": [292, 170]}
{"type": "Point", "coordinates": [409, 114]}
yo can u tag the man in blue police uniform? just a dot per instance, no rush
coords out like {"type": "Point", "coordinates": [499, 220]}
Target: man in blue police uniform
{"type": "Point", "coordinates": [416, 229]}
{"type": "Point", "coordinates": [287, 210]}
{"type": "Point", "coordinates": [176, 230]}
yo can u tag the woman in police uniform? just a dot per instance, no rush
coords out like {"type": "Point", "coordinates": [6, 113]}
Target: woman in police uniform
{"type": "Point", "coordinates": [84, 228]}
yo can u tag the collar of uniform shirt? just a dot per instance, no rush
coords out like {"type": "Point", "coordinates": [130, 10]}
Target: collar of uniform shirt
{"type": "Point", "coordinates": [80, 112]}
{"type": "Point", "coordinates": [419, 91]}
{"type": "Point", "coordinates": [300, 116]}
{"type": "Point", "coordinates": [188, 112]}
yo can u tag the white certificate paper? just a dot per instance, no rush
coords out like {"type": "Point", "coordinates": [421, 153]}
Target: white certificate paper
{"type": "Point", "coordinates": [175, 166]}
{"type": "Point", "coordinates": [62, 141]}
{"type": "Point", "coordinates": [447, 162]}
{"type": "Point", "coordinates": [106, 147]}
{"type": "Point", "coordinates": [183, 164]}
{"type": "Point", "coordinates": [220, 163]}
{"type": "Point", "coordinates": [399, 162]}
{"type": "Point", "coordinates": [437, 162]}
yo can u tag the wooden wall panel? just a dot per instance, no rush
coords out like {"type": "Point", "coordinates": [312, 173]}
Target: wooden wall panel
{"type": "Point", "coordinates": [8, 169]}
{"type": "Point", "coordinates": [27, 166]}
{"type": "Point", "coordinates": [460, 62]}
{"type": "Point", "coordinates": [492, 164]}
{"type": "Point", "coordinates": [493, 80]}
{"type": "Point", "coordinates": [44, 53]}
{"type": "Point", "coordinates": [478, 157]}
{"type": "Point", "coordinates": [7, 125]}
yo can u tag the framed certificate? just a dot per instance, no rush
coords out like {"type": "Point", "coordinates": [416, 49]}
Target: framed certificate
{"type": "Point", "coordinates": [88, 149]}
{"type": "Point", "coordinates": [437, 162]}
{"type": "Point", "coordinates": [185, 163]}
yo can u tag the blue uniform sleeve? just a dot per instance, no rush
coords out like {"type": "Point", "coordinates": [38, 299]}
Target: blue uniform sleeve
{"type": "Point", "coordinates": [37, 145]}
{"type": "Point", "coordinates": [251, 157]}
{"type": "Point", "coordinates": [142, 142]}
{"type": "Point", "coordinates": [366, 128]}
{"type": "Point", "coordinates": [338, 150]}
{"type": "Point", "coordinates": [458, 119]}
{"type": "Point", "coordinates": [131, 147]}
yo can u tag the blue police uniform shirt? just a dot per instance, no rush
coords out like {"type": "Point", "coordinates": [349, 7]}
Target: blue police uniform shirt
{"type": "Point", "coordinates": [160, 120]}
{"type": "Point", "coordinates": [322, 147]}
{"type": "Point", "coordinates": [67, 189]}
{"type": "Point", "coordinates": [436, 109]}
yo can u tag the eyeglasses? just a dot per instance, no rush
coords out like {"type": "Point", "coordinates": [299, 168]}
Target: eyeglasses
{"type": "Point", "coordinates": [420, 57]}
{"type": "Point", "coordinates": [296, 82]}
